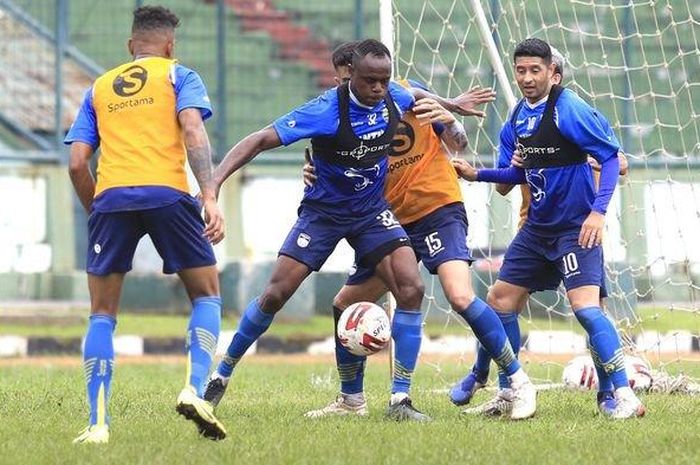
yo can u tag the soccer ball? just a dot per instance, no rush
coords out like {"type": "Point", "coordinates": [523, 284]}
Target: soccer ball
{"type": "Point", "coordinates": [364, 328]}
{"type": "Point", "coordinates": [638, 373]}
{"type": "Point", "coordinates": [580, 374]}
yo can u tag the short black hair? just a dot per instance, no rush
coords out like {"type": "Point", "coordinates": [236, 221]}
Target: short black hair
{"type": "Point", "coordinates": [533, 47]}
{"type": "Point", "coordinates": [342, 55]}
{"type": "Point", "coordinates": [369, 47]}
{"type": "Point", "coordinates": [150, 17]}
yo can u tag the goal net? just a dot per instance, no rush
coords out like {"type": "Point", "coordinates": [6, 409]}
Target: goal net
{"type": "Point", "coordinates": [633, 60]}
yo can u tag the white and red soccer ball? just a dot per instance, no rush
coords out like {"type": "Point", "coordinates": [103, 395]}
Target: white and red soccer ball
{"type": "Point", "coordinates": [364, 328]}
{"type": "Point", "coordinates": [580, 374]}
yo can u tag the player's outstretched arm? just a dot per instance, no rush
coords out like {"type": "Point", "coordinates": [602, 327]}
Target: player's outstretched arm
{"type": "Point", "coordinates": [244, 151]}
{"type": "Point", "coordinates": [429, 111]}
{"type": "Point", "coordinates": [80, 174]}
{"type": "Point", "coordinates": [510, 175]}
{"type": "Point", "coordinates": [464, 104]}
{"type": "Point", "coordinates": [199, 158]}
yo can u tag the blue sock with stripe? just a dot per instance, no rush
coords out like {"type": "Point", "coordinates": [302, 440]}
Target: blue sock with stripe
{"type": "Point", "coordinates": [605, 343]}
{"type": "Point", "coordinates": [253, 324]}
{"type": "Point", "coordinates": [509, 320]}
{"type": "Point", "coordinates": [604, 382]}
{"type": "Point", "coordinates": [202, 336]}
{"type": "Point", "coordinates": [407, 332]}
{"type": "Point", "coordinates": [488, 329]}
{"type": "Point", "coordinates": [351, 367]}
{"type": "Point", "coordinates": [98, 363]}
{"type": "Point", "coordinates": [512, 328]}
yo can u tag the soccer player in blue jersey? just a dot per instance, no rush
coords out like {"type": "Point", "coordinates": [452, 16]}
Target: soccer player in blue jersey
{"type": "Point", "coordinates": [147, 117]}
{"type": "Point", "coordinates": [554, 131]}
{"type": "Point", "coordinates": [424, 194]}
{"type": "Point", "coordinates": [351, 128]}
{"type": "Point", "coordinates": [462, 392]}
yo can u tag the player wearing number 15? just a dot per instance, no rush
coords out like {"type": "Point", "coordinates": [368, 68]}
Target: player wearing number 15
{"type": "Point", "coordinates": [147, 118]}
{"type": "Point", "coordinates": [424, 193]}
{"type": "Point", "coordinates": [554, 130]}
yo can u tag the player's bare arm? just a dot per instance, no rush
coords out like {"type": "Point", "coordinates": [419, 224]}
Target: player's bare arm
{"type": "Point", "coordinates": [80, 174]}
{"type": "Point", "coordinates": [244, 151]}
{"type": "Point", "coordinates": [199, 158]}
{"type": "Point", "coordinates": [429, 111]}
{"type": "Point", "coordinates": [308, 171]}
{"type": "Point", "coordinates": [464, 104]}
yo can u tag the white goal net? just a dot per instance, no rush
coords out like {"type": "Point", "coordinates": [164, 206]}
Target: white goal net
{"type": "Point", "coordinates": [636, 61]}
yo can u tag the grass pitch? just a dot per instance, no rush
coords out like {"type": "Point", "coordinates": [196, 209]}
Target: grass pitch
{"type": "Point", "coordinates": [42, 408]}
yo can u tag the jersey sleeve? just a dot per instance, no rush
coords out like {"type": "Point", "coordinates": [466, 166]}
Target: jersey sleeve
{"type": "Point", "coordinates": [84, 128]}
{"type": "Point", "coordinates": [506, 147]}
{"type": "Point", "coordinates": [190, 91]}
{"type": "Point", "coordinates": [402, 97]}
{"type": "Point", "coordinates": [579, 122]}
{"type": "Point", "coordinates": [315, 118]}
{"type": "Point", "coordinates": [607, 128]}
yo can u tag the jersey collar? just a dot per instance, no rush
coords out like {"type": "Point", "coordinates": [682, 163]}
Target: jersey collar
{"type": "Point", "coordinates": [357, 102]}
{"type": "Point", "coordinates": [537, 103]}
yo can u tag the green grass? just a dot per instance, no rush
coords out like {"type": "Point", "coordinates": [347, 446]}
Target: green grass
{"type": "Point", "coordinates": [43, 409]}
{"type": "Point", "coordinates": [319, 326]}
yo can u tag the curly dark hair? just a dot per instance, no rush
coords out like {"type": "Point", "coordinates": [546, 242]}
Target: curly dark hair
{"type": "Point", "coordinates": [533, 47]}
{"type": "Point", "coordinates": [148, 18]}
{"type": "Point", "coordinates": [369, 47]}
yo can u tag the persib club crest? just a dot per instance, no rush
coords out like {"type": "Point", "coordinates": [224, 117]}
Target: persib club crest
{"type": "Point", "coordinates": [303, 240]}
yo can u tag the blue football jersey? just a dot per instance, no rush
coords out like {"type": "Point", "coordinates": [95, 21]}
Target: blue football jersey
{"type": "Point", "coordinates": [343, 189]}
{"type": "Point", "coordinates": [562, 196]}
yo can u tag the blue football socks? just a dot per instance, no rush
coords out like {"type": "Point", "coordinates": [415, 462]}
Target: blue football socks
{"type": "Point", "coordinates": [491, 334]}
{"type": "Point", "coordinates": [98, 363]}
{"type": "Point", "coordinates": [605, 344]}
{"type": "Point", "coordinates": [407, 332]}
{"type": "Point", "coordinates": [351, 368]}
{"type": "Point", "coordinates": [202, 337]}
{"type": "Point", "coordinates": [253, 324]}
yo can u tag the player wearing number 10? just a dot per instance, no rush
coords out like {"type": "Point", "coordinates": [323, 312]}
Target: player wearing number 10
{"type": "Point", "coordinates": [554, 130]}
{"type": "Point", "coordinates": [424, 194]}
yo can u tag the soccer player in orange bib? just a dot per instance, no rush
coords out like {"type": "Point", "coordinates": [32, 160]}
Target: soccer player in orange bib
{"type": "Point", "coordinates": [147, 117]}
{"type": "Point", "coordinates": [424, 194]}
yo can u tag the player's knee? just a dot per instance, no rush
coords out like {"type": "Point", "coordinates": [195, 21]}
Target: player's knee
{"type": "Point", "coordinates": [460, 300]}
{"type": "Point", "coordinates": [273, 299]}
{"type": "Point", "coordinates": [340, 302]}
{"type": "Point", "coordinates": [410, 294]}
{"type": "Point", "coordinates": [499, 301]}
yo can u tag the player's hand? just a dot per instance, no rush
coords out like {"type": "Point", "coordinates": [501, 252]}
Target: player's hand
{"type": "Point", "coordinates": [517, 160]}
{"type": "Point", "coordinates": [465, 104]}
{"type": "Point", "coordinates": [429, 111]}
{"type": "Point", "coordinates": [464, 169]}
{"type": "Point", "coordinates": [592, 230]}
{"type": "Point", "coordinates": [214, 221]}
{"type": "Point", "coordinates": [308, 172]}
{"type": "Point", "coordinates": [624, 163]}
{"type": "Point", "coordinates": [594, 164]}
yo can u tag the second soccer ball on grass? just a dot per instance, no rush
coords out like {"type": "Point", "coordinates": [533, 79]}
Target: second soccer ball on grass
{"type": "Point", "coordinates": [364, 328]}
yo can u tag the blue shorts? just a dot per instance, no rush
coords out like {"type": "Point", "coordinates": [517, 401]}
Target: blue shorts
{"type": "Point", "coordinates": [315, 235]}
{"type": "Point", "coordinates": [176, 231]}
{"type": "Point", "coordinates": [439, 237]}
{"type": "Point", "coordinates": [541, 263]}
